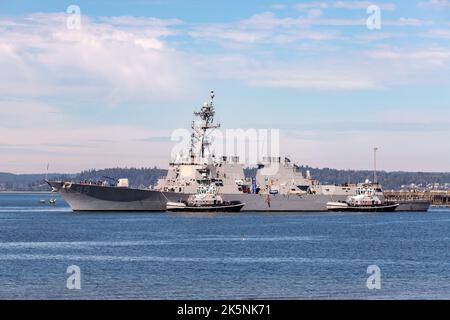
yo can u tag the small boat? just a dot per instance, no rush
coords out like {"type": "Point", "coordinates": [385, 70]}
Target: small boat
{"type": "Point", "coordinates": [365, 200]}
{"type": "Point", "coordinates": [205, 200]}
{"type": "Point", "coordinates": [296, 192]}
{"type": "Point", "coordinates": [344, 206]}
{"type": "Point", "coordinates": [52, 201]}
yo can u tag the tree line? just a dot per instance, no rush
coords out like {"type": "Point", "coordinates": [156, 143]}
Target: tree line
{"type": "Point", "coordinates": [145, 177]}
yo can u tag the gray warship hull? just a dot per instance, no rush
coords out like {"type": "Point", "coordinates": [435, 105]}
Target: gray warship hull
{"type": "Point", "coordinates": [414, 205]}
{"type": "Point", "coordinates": [94, 198]}
{"type": "Point", "coordinates": [283, 203]}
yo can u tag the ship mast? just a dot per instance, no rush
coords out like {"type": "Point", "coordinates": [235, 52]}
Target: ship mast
{"type": "Point", "coordinates": [375, 178]}
{"type": "Point", "coordinates": [200, 130]}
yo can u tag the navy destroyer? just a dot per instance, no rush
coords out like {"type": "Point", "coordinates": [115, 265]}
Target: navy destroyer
{"type": "Point", "coordinates": [288, 190]}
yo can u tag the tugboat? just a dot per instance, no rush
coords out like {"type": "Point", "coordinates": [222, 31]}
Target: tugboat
{"type": "Point", "coordinates": [365, 200]}
{"type": "Point", "coordinates": [205, 200]}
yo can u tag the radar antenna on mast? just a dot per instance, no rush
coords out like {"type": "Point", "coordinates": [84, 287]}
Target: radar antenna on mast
{"type": "Point", "coordinates": [200, 130]}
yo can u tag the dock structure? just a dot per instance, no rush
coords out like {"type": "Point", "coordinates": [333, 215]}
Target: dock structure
{"type": "Point", "coordinates": [437, 197]}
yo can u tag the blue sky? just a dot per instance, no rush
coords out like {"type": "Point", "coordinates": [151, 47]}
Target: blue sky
{"type": "Point", "coordinates": [112, 91]}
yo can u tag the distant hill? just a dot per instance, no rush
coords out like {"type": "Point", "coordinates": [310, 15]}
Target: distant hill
{"type": "Point", "coordinates": [28, 182]}
{"type": "Point", "coordinates": [36, 182]}
{"type": "Point", "coordinates": [389, 180]}
{"type": "Point", "coordinates": [149, 176]}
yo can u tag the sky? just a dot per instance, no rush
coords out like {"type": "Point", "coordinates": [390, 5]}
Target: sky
{"type": "Point", "coordinates": [110, 90]}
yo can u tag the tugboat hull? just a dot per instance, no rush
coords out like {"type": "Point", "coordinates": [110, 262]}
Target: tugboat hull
{"type": "Point", "coordinates": [343, 207]}
{"type": "Point", "coordinates": [179, 207]}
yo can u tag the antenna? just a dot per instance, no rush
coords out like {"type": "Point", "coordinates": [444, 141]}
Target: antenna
{"type": "Point", "coordinates": [200, 131]}
{"type": "Point", "coordinates": [46, 173]}
{"type": "Point", "coordinates": [375, 178]}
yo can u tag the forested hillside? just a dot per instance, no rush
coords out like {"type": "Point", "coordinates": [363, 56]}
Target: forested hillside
{"type": "Point", "coordinates": [143, 177]}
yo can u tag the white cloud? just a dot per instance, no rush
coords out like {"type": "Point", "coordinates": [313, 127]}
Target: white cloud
{"type": "Point", "coordinates": [437, 33]}
{"type": "Point", "coordinates": [117, 59]}
{"type": "Point", "coordinates": [417, 57]}
{"type": "Point", "coordinates": [19, 113]}
{"type": "Point", "coordinates": [269, 29]}
{"type": "Point", "coordinates": [124, 60]}
{"type": "Point", "coordinates": [142, 22]}
{"type": "Point", "coordinates": [351, 5]}
{"type": "Point", "coordinates": [377, 69]}
{"type": "Point", "coordinates": [328, 74]}
{"type": "Point", "coordinates": [314, 13]}
{"type": "Point", "coordinates": [377, 36]}
{"type": "Point", "coordinates": [263, 28]}
{"type": "Point", "coordinates": [408, 22]}
{"type": "Point", "coordinates": [435, 4]}
{"type": "Point", "coordinates": [310, 77]}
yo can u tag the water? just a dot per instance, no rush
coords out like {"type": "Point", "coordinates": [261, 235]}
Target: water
{"type": "Point", "coordinates": [172, 256]}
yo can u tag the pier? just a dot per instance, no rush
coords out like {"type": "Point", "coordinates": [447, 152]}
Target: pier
{"type": "Point", "coordinates": [437, 197]}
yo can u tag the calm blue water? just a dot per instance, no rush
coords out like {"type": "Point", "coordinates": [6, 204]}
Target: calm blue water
{"type": "Point", "coordinates": [170, 256]}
